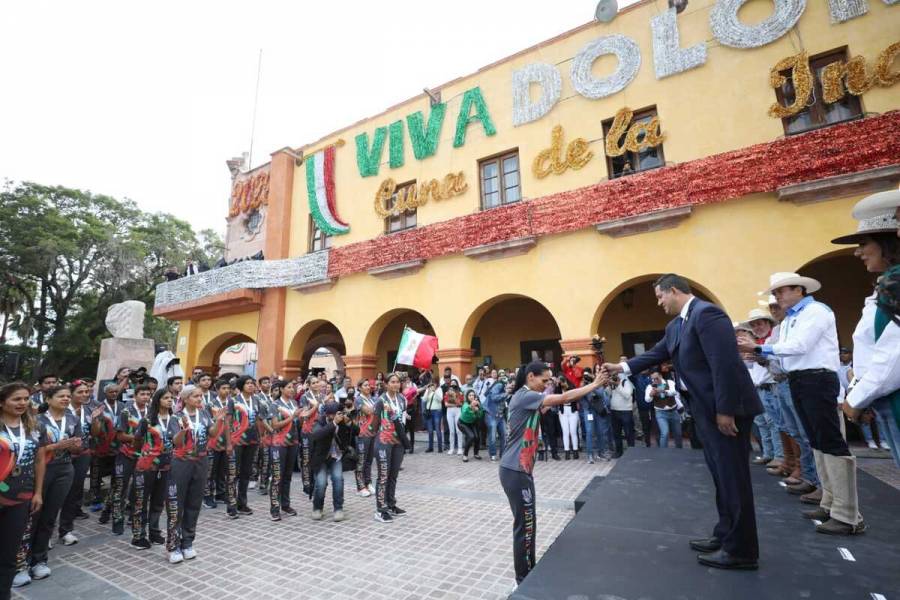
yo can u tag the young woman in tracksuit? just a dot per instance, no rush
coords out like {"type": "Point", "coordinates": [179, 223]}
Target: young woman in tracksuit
{"type": "Point", "coordinates": [365, 439]}
{"type": "Point", "coordinates": [152, 491]}
{"type": "Point", "coordinates": [81, 462]}
{"type": "Point", "coordinates": [221, 475]}
{"type": "Point", "coordinates": [245, 412]}
{"type": "Point", "coordinates": [517, 463]}
{"type": "Point", "coordinates": [284, 416]}
{"type": "Point", "coordinates": [189, 469]}
{"type": "Point", "coordinates": [128, 423]}
{"type": "Point", "coordinates": [104, 447]}
{"type": "Point", "coordinates": [22, 470]}
{"type": "Point", "coordinates": [389, 450]}
{"type": "Point", "coordinates": [60, 433]}
{"type": "Point", "coordinates": [311, 400]}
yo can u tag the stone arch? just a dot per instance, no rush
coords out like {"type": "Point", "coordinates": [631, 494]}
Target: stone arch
{"type": "Point", "coordinates": [490, 322]}
{"type": "Point", "coordinates": [318, 333]}
{"type": "Point", "coordinates": [629, 314]}
{"type": "Point", "coordinates": [208, 357]}
{"type": "Point", "coordinates": [387, 327]}
{"type": "Point", "coordinates": [845, 285]}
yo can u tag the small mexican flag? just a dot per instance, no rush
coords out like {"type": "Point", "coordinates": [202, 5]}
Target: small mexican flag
{"type": "Point", "coordinates": [416, 349]}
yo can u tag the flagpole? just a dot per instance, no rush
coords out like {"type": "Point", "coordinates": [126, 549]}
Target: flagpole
{"type": "Point", "coordinates": [394, 370]}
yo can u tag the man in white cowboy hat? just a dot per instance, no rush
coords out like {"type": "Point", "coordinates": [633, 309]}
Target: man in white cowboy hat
{"type": "Point", "coordinates": [799, 463]}
{"type": "Point", "coordinates": [759, 324]}
{"type": "Point", "coordinates": [808, 348]}
{"type": "Point", "coordinates": [877, 205]}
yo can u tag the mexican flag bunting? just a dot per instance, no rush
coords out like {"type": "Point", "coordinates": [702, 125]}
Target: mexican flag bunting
{"type": "Point", "coordinates": [320, 190]}
{"type": "Point", "coordinates": [416, 349]}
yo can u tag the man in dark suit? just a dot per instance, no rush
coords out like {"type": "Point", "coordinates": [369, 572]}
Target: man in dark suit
{"type": "Point", "coordinates": [700, 343]}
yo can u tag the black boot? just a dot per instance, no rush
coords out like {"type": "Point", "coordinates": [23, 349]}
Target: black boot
{"type": "Point", "coordinates": [575, 454]}
{"type": "Point", "coordinates": [568, 455]}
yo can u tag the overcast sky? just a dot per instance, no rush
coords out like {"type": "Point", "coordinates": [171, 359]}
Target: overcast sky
{"type": "Point", "coordinates": [148, 100]}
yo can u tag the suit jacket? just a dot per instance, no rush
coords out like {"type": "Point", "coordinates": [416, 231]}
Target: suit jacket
{"type": "Point", "coordinates": [322, 436]}
{"type": "Point", "coordinates": [707, 362]}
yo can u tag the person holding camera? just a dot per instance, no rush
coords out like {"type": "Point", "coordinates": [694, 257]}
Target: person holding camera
{"type": "Point", "coordinates": [330, 439]}
{"type": "Point", "coordinates": [469, 417]}
{"type": "Point", "coordinates": [594, 413]}
{"type": "Point", "coordinates": [432, 400]}
{"type": "Point", "coordinates": [453, 401]}
{"type": "Point", "coordinates": [495, 413]}
{"type": "Point", "coordinates": [666, 401]}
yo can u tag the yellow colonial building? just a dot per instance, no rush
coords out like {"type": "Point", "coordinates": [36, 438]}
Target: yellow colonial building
{"type": "Point", "coordinates": [517, 211]}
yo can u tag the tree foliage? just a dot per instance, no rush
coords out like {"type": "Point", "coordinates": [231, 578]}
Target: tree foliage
{"type": "Point", "coordinates": [67, 255]}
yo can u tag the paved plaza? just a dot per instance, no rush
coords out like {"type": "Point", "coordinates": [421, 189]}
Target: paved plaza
{"type": "Point", "coordinates": [455, 543]}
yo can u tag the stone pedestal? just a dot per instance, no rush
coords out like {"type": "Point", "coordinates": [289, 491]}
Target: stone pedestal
{"type": "Point", "coordinates": [116, 353]}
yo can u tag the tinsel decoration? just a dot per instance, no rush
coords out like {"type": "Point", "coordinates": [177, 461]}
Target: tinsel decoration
{"type": "Point", "coordinates": [841, 149]}
{"type": "Point", "coordinates": [472, 97]}
{"type": "Point", "coordinates": [425, 141]}
{"type": "Point", "coordinates": [550, 82]}
{"type": "Point", "coordinates": [730, 31]}
{"type": "Point", "coordinates": [395, 144]}
{"type": "Point", "coordinates": [668, 57]}
{"type": "Point", "coordinates": [624, 48]}
{"type": "Point", "coordinates": [621, 127]}
{"type": "Point", "coordinates": [853, 72]}
{"type": "Point", "coordinates": [249, 194]}
{"type": "Point", "coordinates": [886, 58]}
{"type": "Point", "coordinates": [891, 2]}
{"type": "Point", "coordinates": [844, 10]}
{"type": "Point", "coordinates": [369, 160]}
{"type": "Point", "coordinates": [412, 197]}
{"type": "Point", "coordinates": [576, 156]}
{"type": "Point", "coordinates": [801, 77]}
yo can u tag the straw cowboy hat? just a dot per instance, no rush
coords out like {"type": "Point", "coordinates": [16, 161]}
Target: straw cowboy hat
{"type": "Point", "coordinates": [777, 280]}
{"type": "Point", "coordinates": [885, 222]}
{"type": "Point", "coordinates": [767, 303]}
{"type": "Point", "coordinates": [741, 327]}
{"type": "Point", "coordinates": [757, 314]}
{"type": "Point", "coordinates": [877, 204]}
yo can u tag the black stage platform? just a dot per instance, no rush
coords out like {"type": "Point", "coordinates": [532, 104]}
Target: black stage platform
{"type": "Point", "coordinates": [629, 541]}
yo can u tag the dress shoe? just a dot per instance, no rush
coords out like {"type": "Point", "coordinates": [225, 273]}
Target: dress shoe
{"type": "Point", "coordinates": [835, 527]}
{"type": "Point", "coordinates": [722, 560]}
{"type": "Point", "coordinates": [800, 489]}
{"type": "Point", "coordinates": [819, 514]}
{"type": "Point", "coordinates": [791, 481]}
{"type": "Point", "coordinates": [706, 544]}
{"type": "Point", "coordinates": [814, 497]}
{"type": "Point", "coordinates": [778, 471]}
{"type": "Point", "coordinates": [761, 460]}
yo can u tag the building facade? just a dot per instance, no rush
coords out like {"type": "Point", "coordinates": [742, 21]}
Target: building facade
{"type": "Point", "coordinates": [517, 211]}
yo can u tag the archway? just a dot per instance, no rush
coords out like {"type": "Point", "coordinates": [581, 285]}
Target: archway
{"type": "Point", "coordinates": [845, 285]}
{"type": "Point", "coordinates": [510, 330]}
{"type": "Point", "coordinates": [630, 319]}
{"type": "Point", "coordinates": [318, 345]}
{"type": "Point", "coordinates": [211, 356]}
{"type": "Point", "coordinates": [383, 337]}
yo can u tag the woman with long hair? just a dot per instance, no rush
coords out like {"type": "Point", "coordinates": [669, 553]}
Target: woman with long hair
{"type": "Point", "coordinates": [365, 439]}
{"type": "Point", "coordinates": [469, 417]}
{"type": "Point", "coordinates": [22, 469]}
{"type": "Point", "coordinates": [310, 402]}
{"type": "Point", "coordinates": [245, 412]}
{"type": "Point", "coordinates": [104, 447]}
{"type": "Point", "coordinates": [221, 475]}
{"type": "Point", "coordinates": [284, 416]}
{"type": "Point", "coordinates": [568, 421]}
{"type": "Point", "coordinates": [60, 434]}
{"type": "Point", "coordinates": [453, 400]}
{"type": "Point", "coordinates": [189, 469]}
{"type": "Point", "coordinates": [517, 463]}
{"type": "Point", "coordinates": [152, 492]}
{"type": "Point", "coordinates": [81, 462]}
{"type": "Point", "coordinates": [128, 423]}
{"type": "Point", "coordinates": [389, 414]}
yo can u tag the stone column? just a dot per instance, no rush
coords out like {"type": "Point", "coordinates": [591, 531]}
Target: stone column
{"type": "Point", "coordinates": [580, 347]}
{"type": "Point", "coordinates": [291, 369]}
{"type": "Point", "coordinates": [358, 366]}
{"type": "Point", "coordinates": [458, 359]}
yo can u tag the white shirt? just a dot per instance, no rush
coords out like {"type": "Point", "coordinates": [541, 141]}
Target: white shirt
{"type": "Point", "coordinates": [648, 397]}
{"type": "Point", "coordinates": [759, 373]}
{"type": "Point", "coordinates": [684, 312]}
{"type": "Point", "coordinates": [876, 365]}
{"type": "Point", "coordinates": [622, 397]}
{"type": "Point", "coordinates": [807, 338]}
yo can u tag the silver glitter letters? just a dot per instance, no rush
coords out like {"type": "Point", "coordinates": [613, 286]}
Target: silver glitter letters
{"type": "Point", "coordinates": [550, 81]}
{"type": "Point", "coordinates": [844, 10]}
{"type": "Point", "coordinates": [730, 31]}
{"type": "Point", "coordinates": [625, 49]}
{"type": "Point", "coordinates": [668, 57]}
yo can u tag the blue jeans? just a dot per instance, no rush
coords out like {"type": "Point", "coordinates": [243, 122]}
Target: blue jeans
{"type": "Point", "coordinates": [887, 427]}
{"type": "Point", "coordinates": [599, 427]}
{"type": "Point", "coordinates": [768, 423]}
{"type": "Point", "coordinates": [791, 425]}
{"type": "Point", "coordinates": [669, 420]}
{"type": "Point", "coordinates": [433, 423]}
{"type": "Point", "coordinates": [496, 424]}
{"type": "Point", "coordinates": [334, 469]}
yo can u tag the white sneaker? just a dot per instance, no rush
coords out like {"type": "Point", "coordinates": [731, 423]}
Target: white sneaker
{"type": "Point", "coordinates": [22, 578]}
{"type": "Point", "coordinates": [884, 446]}
{"type": "Point", "coordinates": [316, 515]}
{"type": "Point", "coordinates": [450, 451]}
{"type": "Point", "coordinates": [188, 553]}
{"type": "Point", "coordinates": [338, 516]}
{"type": "Point", "coordinates": [251, 485]}
{"type": "Point", "coordinates": [873, 445]}
{"type": "Point", "coordinates": [371, 488]}
{"type": "Point", "coordinates": [364, 493]}
{"type": "Point", "coordinates": [50, 544]}
{"type": "Point", "coordinates": [40, 571]}
{"type": "Point", "coordinates": [176, 557]}
{"type": "Point", "coordinates": [459, 451]}
{"type": "Point", "coordinates": [69, 539]}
